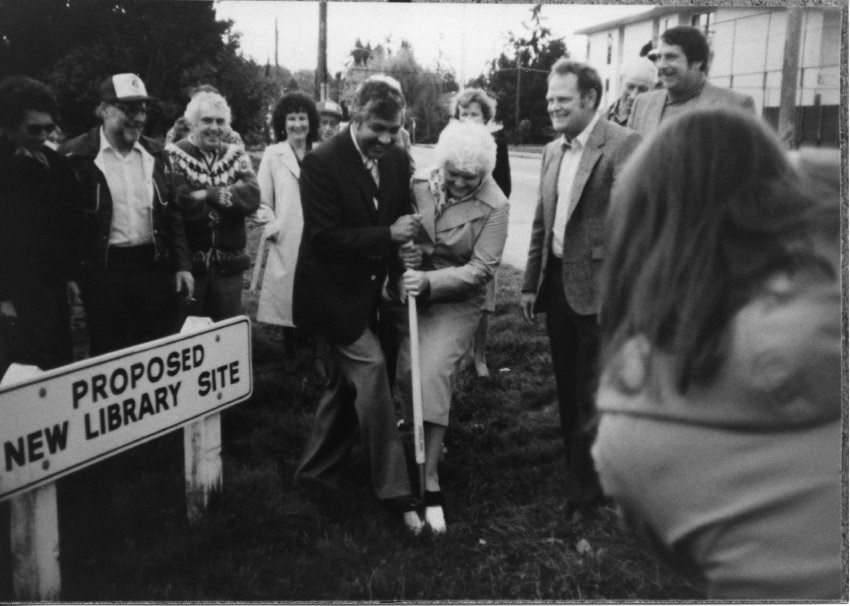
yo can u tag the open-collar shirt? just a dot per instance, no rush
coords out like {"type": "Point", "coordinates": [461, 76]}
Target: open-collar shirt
{"type": "Point", "coordinates": [369, 163]}
{"type": "Point", "coordinates": [566, 176]}
{"type": "Point", "coordinates": [130, 181]}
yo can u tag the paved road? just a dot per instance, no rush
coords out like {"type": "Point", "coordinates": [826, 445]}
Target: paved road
{"type": "Point", "coordinates": [525, 173]}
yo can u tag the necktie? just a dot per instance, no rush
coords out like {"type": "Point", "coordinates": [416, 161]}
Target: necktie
{"type": "Point", "coordinates": [372, 166]}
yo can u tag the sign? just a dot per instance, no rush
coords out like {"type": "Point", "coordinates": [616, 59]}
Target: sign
{"type": "Point", "coordinates": [70, 417]}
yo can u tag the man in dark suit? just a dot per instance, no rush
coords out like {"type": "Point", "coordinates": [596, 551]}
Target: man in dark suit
{"type": "Point", "coordinates": [565, 253]}
{"type": "Point", "coordinates": [682, 62]}
{"type": "Point", "coordinates": [357, 211]}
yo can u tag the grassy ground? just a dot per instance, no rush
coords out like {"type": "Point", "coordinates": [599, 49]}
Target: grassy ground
{"type": "Point", "coordinates": [125, 536]}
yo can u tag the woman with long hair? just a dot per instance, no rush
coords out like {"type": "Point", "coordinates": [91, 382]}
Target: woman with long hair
{"type": "Point", "coordinates": [720, 393]}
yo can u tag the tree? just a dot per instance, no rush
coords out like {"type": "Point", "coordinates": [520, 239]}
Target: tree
{"type": "Point", "coordinates": [532, 55]}
{"type": "Point", "coordinates": [422, 88]}
{"type": "Point", "coordinates": [173, 46]}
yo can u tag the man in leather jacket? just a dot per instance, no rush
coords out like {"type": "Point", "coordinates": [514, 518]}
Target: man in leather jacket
{"type": "Point", "coordinates": [132, 226]}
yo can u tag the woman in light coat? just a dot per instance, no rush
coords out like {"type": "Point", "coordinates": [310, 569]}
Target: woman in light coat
{"type": "Point", "coordinates": [296, 125]}
{"type": "Point", "coordinates": [464, 227]}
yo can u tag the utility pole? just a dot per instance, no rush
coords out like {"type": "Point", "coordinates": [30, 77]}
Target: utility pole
{"type": "Point", "coordinates": [322, 69]}
{"type": "Point", "coordinates": [518, 72]}
{"type": "Point", "coordinates": [790, 66]}
{"type": "Point", "coordinates": [276, 65]}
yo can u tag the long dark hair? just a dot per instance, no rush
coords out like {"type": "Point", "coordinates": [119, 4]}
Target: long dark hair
{"type": "Point", "coordinates": [701, 214]}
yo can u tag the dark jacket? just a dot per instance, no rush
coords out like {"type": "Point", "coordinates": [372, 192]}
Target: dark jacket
{"type": "Point", "coordinates": [39, 222]}
{"type": "Point", "coordinates": [214, 227]}
{"type": "Point", "coordinates": [93, 192]}
{"type": "Point", "coordinates": [346, 248]}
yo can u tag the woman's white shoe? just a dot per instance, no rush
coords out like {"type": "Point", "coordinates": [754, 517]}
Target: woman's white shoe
{"type": "Point", "coordinates": [434, 519]}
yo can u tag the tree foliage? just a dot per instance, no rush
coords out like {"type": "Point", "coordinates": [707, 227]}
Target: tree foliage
{"type": "Point", "coordinates": [533, 53]}
{"type": "Point", "coordinates": [173, 46]}
{"type": "Point", "coordinates": [424, 89]}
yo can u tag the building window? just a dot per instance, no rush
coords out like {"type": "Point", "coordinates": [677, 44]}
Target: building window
{"type": "Point", "coordinates": [610, 47]}
{"type": "Point", "coordinates": [704, 22]}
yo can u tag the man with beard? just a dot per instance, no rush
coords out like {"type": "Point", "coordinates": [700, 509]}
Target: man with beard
{"type": "Point", "coordinates": [682, 61]}
{"type": "Point", "coordinates": [132, 224]}
{"type": "Point", "coordinates": [357, 212]}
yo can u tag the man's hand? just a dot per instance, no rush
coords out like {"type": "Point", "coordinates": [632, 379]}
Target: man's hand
{"type": "Point", "coordinates": [72, 291]}
{"type": "Point", "coordinates": [410, 255]}
{"type": "Point", "coordinates": [405, 228]}
{"type": "Point", "coordinates": [184, 281]}
{"type": "Point", "coordinates": [199, 194]}
{"type": "Point", "coordinates": [7, 309]}
{"type": "Point", "coordinates": [415, 282]}
{"type": "Point", "coordinates": [526, 303]}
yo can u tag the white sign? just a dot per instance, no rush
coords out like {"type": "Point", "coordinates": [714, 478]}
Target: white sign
{"type": "Point", "coordinates": [73, 416]}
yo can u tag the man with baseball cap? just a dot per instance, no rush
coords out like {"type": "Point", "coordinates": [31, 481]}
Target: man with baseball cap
{"type": "Point", "coordinates": [330, 115]}
{"type": "Point", "coordinates": [132, 224]}
{"type": "Point", "coordinates": [639, 76]}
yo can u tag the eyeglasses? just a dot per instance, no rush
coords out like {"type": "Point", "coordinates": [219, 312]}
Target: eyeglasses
{"type": "Point", "coordinates": [34, 130]}
{"type": "Point", "coordinates": [131, 109]}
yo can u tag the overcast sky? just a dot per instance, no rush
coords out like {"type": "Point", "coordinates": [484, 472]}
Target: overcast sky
{"type": "Point", "coordinates": [465, 36]}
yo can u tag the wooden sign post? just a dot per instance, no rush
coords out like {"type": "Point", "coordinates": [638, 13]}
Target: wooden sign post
{"type": "Point", "coordinates": [66, 419]}
{"type": "Point", "coordinates": [34, 522]}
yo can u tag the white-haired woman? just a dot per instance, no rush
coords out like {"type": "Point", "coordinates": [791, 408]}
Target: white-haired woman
{"type": "Point", "coordinates": [216, 190]}
{"type": "Point", "coordinates": [475, 105]}
{"type": "Point", "coordinates": [464, 227]}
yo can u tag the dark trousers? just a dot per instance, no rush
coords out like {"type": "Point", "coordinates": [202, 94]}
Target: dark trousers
{"type": "Point", "coordinates": [574, 341]}
{"type": "Point", "coordinates": [41, 333]}
{"type": "Point", "coordinates": [131, 301]}
{"type": "Point", "coordinates": [217, 296]}
{"type": "Point", "coordinates": [358, 397]}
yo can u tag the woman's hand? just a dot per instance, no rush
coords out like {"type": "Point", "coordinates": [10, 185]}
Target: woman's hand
{"type": "Point", "coordinates": [271, 231]}
{"type": "Point", "coordinates": [415, 282]}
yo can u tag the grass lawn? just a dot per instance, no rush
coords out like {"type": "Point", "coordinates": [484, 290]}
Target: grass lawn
{"type": "Point", "coordinates": [125, 535]}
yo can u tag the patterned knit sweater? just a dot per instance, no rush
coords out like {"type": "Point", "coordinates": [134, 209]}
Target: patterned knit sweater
{"type": "Point", "coordinates": [214, 226]}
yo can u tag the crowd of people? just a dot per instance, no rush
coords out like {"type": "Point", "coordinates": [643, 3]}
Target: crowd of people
{"type": "Point", "coordinates": [688, 268]}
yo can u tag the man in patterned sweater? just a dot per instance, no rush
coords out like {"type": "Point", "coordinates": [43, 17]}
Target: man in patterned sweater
{"type": "Point", "coordinates": [216, 190]}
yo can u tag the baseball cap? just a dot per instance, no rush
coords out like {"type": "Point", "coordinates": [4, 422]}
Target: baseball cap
{"type": "Point", "coordinates": [123, 87]}
{"type": "Point", "coordinates": [329, 108]}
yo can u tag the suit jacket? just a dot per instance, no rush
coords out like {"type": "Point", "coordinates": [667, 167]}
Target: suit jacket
{"type": "Point", "coordinates": [346, 247]}
{"type": "Point", "coordinates": [648, 109]}
{"type": "Point", "coordinates": [607, 149]}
